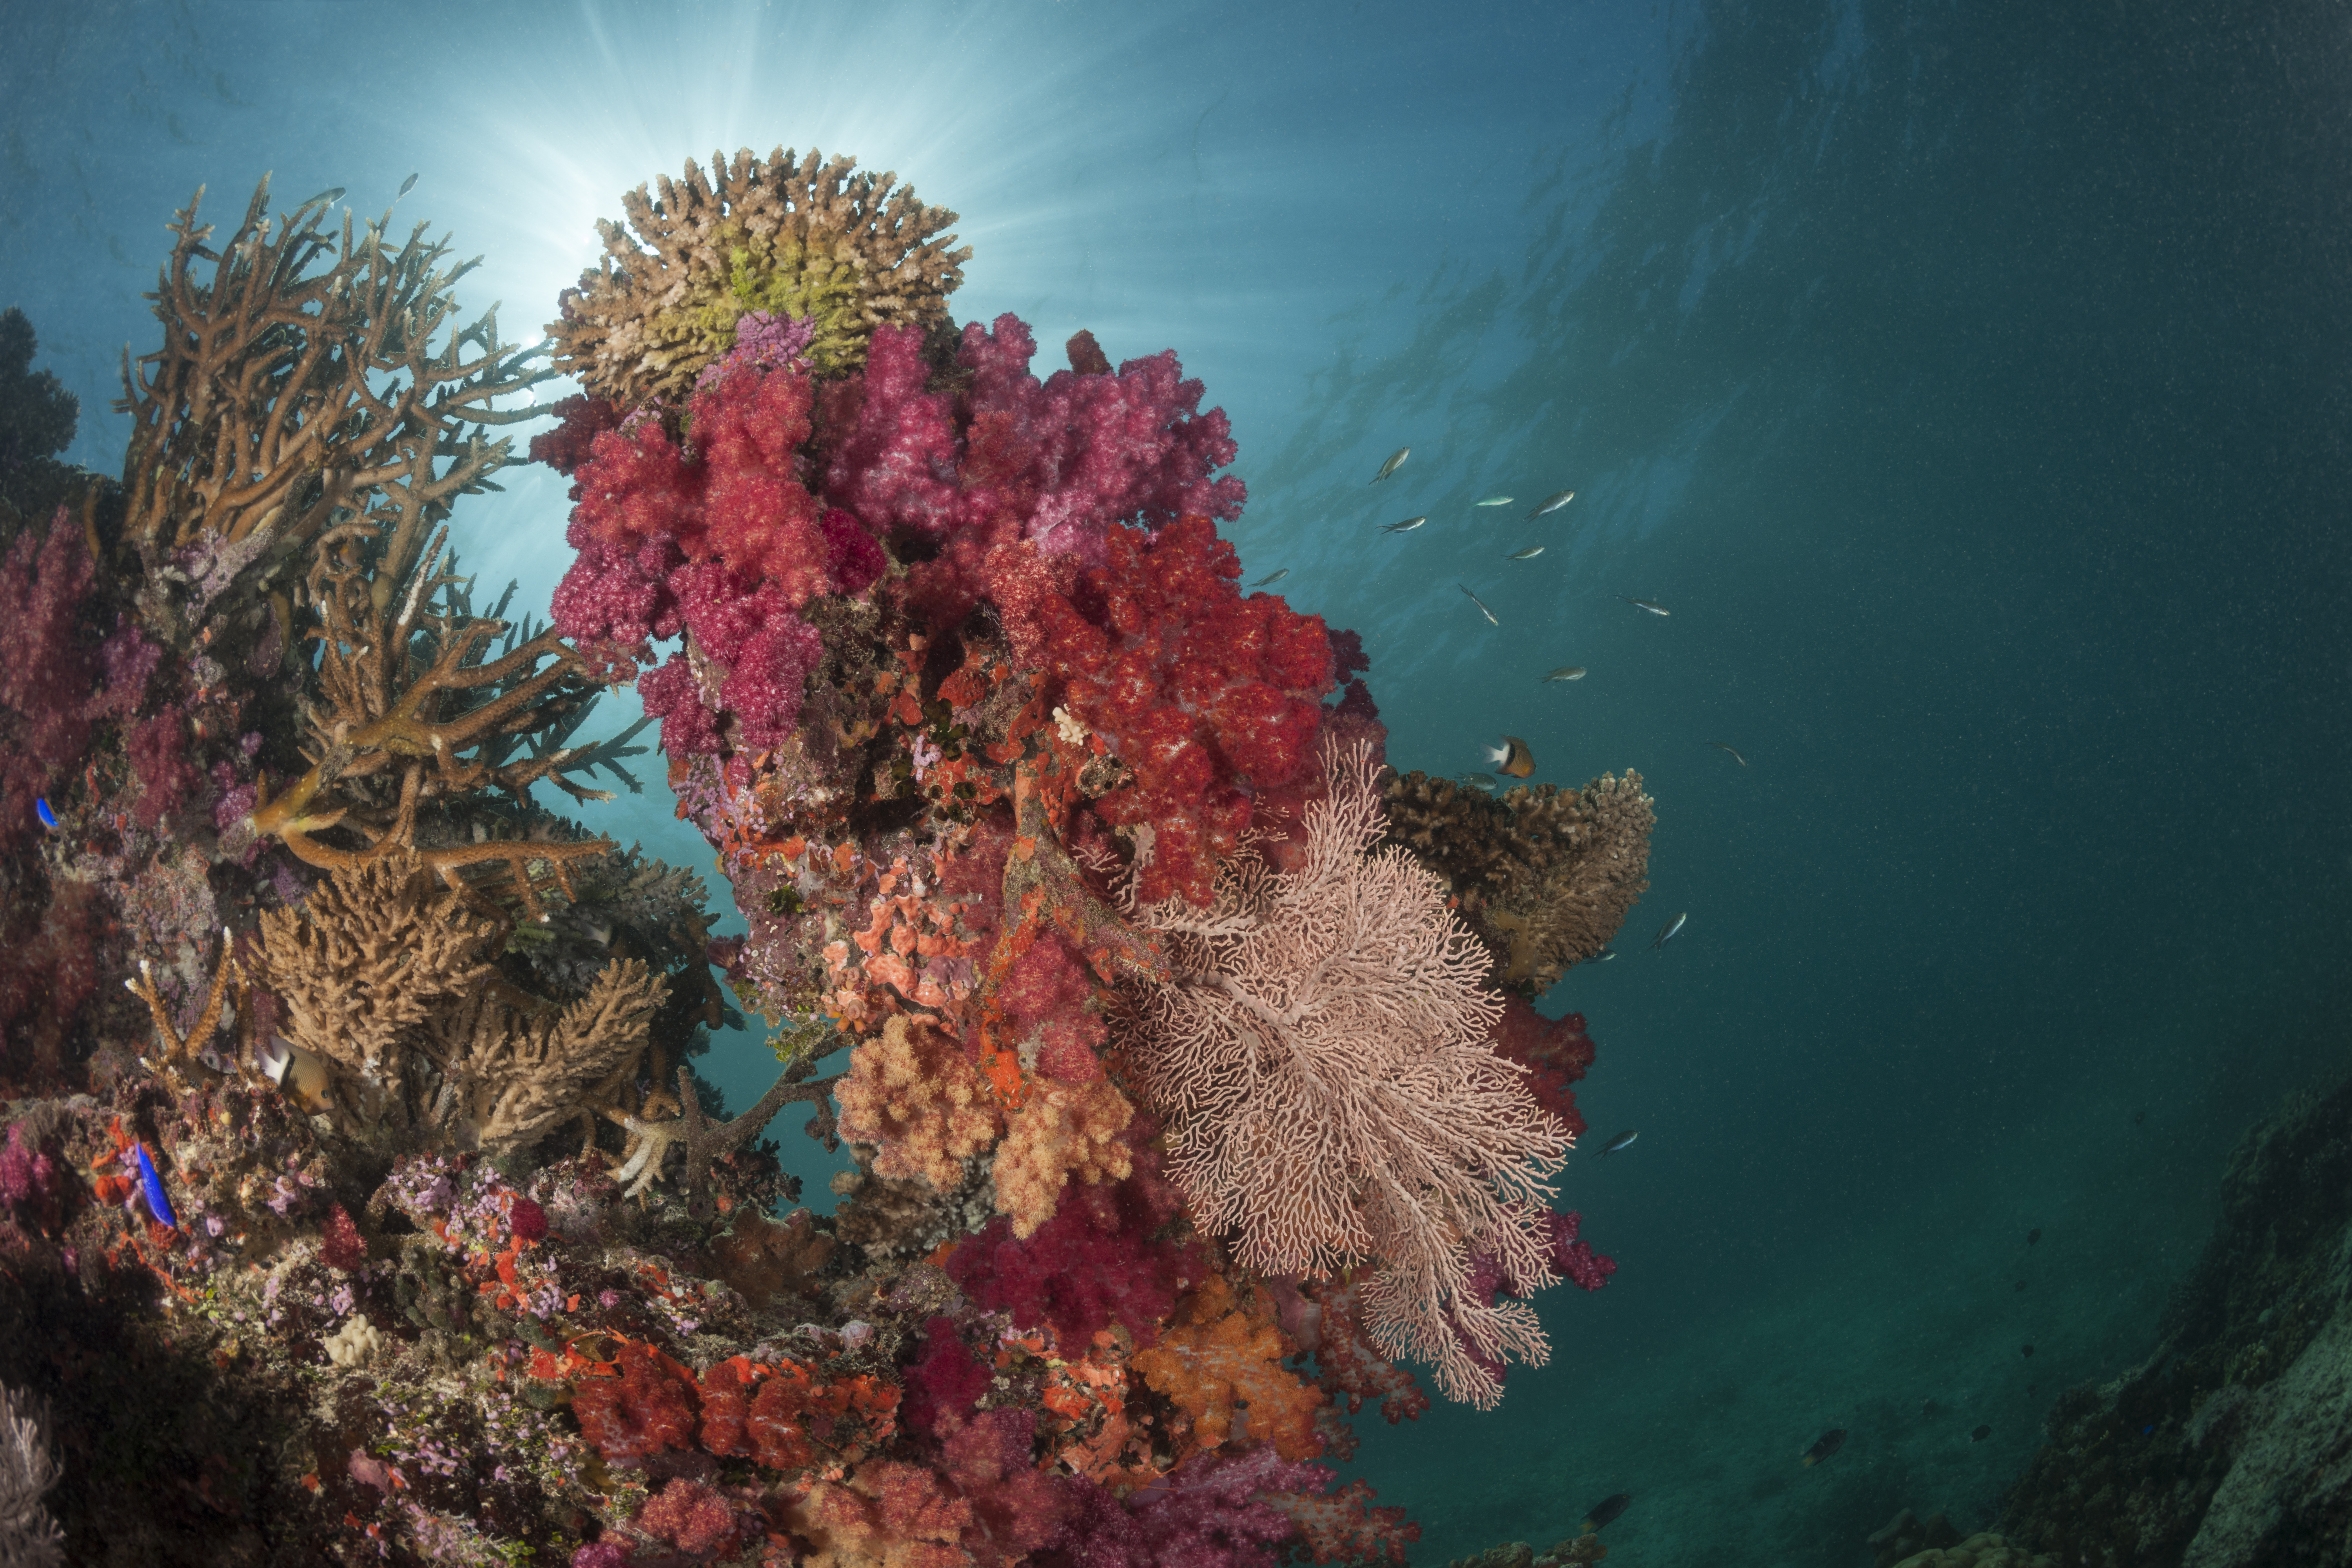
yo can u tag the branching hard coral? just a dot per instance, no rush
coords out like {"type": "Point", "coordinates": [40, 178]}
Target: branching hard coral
{"type": "Point", "coordinates": [417, 712]}
{"type": "Point", "coordinates": [282, 399]}
{"type": "Point", "coordinates": [1544, 874]}
{"type": "Point", "coordinates": [386, 976]}
{"type": "Point", "coordinates": [850, 251]}
{"type": "Point", "coordinates": [375, 950]}
{"type": "Point", "coordinates": [703, 1141]}
{"type": "Point", "coordinates": [510, 1078]}
{"type": "Point", "coordinates": [1322, 1059]}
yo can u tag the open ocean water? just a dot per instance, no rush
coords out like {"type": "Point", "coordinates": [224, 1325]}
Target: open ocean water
{"type": "Point", "coordinates": [1970, 381]}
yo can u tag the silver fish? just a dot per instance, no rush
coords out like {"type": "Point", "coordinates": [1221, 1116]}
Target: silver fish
{"type": "Point", "coordinates": [1566, 672]}
{"type": "Point", "coordinates": [1605, 955]}
{"type": "Point", "coordinates": [1622, 1140]}
{"type": "Point", "coordinates": [1646, 605]}
{"type": "Point", "coordinates": [330, 195]}
{"type": "Point", "coordinates": [1482, 607]}
{"type": "Point", "coordinates": [1396, 461]}
{"type": "Point", "coordinates": [1530, 553]}
{"type": "Point", "coordinates": [1478, 781]}
{"type": "Point", "coordinates": [1551, 504]}
{"type": "Point", "coordinates": [1407, 526]}
{"type": "Point", "coordinates": [1667, 933]}
{"type": "Point", "coordinates": [1271, 577]}
{"type": "Point", "coordinates": [1727, 746]}
{"type": "Point", "coordinates": [406, 185]}
{"type": "Point", "coordinates": [1494, 501]}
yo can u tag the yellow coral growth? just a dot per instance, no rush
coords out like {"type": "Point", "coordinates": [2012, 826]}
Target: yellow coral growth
{"type": "Point", "coordinates": [911, 1092]}
{"type": "Point", "coordinates": [850, 251]}
{"type": "Point", "coordinates": [1062, 1131]}
{"type": "Point", "coordinates": [1222, 1360]}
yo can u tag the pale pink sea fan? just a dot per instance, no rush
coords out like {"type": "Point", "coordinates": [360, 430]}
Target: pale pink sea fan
{"type": "Point", "coordinates": [1322, 1059]}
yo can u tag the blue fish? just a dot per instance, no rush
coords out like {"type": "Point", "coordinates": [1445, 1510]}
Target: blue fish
{"type": "Point", "coordinates": [48, 818]}
{"type": "Point", "coordinates": [159, 1202]}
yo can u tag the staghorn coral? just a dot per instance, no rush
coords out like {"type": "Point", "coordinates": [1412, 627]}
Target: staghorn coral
{"type": "Point", "coordinates": [805, 237]}
{"type": "Point", "coordinates": [1322, 1060]}
{"type": "Point", "coordinates": [416, 713]}
{"type": "Point", "coordinates": [1543, 875]}
{"type": "Point", "coordinates": [283, 398]}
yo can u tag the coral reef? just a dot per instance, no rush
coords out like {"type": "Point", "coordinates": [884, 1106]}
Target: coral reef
{"type": "Point", "coordinates": [358, 1197]}
{"type": "Point", "coordinates": [2227, 1445]}
{"type": "Point", "coordinates": [1544, 874]}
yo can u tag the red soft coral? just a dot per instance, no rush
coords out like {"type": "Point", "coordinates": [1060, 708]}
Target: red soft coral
{"type": "Point", "coordinates": [1208, 697]}
{"type": "Point", "coordinates": [1556, 1051]}
{"type": "Point", "coordinates": [646, 1409]}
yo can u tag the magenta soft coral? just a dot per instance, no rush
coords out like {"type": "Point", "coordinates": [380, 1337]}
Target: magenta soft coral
{"type": "Point", "coordinates": [47, 673]}
{"type": "Point", "coordinates": [1211, 1513]}
{"type": "Point", "coordinates": [1556, 1053]}
{"type": "Point", "coordinates": [1208, 697]}
{"type": "Point", "coordinates": [1093, 1263]}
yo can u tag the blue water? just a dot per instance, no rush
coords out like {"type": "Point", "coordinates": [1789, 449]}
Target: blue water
{"type": "Point", "coordinates": [1970, 380]}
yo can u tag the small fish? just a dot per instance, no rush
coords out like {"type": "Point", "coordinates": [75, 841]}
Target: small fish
{"type": "Point", "coordinates": [2033, 1236]}
{"type": "Point", "coordinates": [159, 1202]}
{"type": "Point", "coordinates": [1606, 955]}
{"type": "Point", "coordinates": [330, 195]}
{"type": "Point", "coordinates": [1494, 501]}
{"type": "Point", "coordinates": [41, 809]}
{"type": "Point", "coordinates": [1552, 503]}
{"type": "Point", "coordinates": [1980, 1434]}
{"type": "Point", "coordinates": [1607, 1508]}
{"type": "Point", "coordinates": [1622, 1140]}
{"type": "Point", "coordinates": [1668, 932]}
{"type": "Point", "coordinates": [1479, 781]}
{"type": "Point", "coordinates": [1646, 605]}
{"type": "Point", "coordinates": [1407, 526]}
{"type": "Point", "coordinates": [1482, 607]}
{"type": "Point", "coordinates": [2025, 1350]}
{"type": "Point", "coordinates": [1512, 757]}
{"type": "Point", "coordinates": [1396, 461]}
{"type": "Point", "coordinates": [296, 1071]}
{"type": "Point", "coordinates": [406, 185]}
{"type": "Point", "coordinates": [1530, 553]}
{"type": "Point", "coordinates": [1733, 751]}
{"type": "Point", "coordinates": [1566, 672]}
{"type": "Point", "coordinates": [1827, 1444]}
{"type": "Point", "coordinates": [1271, 578]}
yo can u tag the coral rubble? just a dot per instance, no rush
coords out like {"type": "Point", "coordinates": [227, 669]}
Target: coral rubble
{"type": "Point", "coordinates": [363, 1199]}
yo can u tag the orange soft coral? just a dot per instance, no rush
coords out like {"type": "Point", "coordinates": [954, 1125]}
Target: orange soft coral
{"type": "Point", "coordinates": [1223, 1358]}
{"type": "Point", "coordinates": [911, 1092]}
{"type": "Point", "coordinates": [1062, 1131]}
